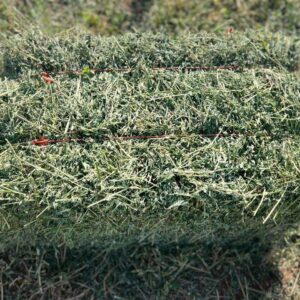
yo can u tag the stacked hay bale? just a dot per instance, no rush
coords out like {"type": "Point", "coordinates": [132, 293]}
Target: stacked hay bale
{"type": "Point", "coordinates": [223, 171]}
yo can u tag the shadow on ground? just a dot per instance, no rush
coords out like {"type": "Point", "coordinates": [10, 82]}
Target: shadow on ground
{"type": "Point", "coordinates": [142, 264]}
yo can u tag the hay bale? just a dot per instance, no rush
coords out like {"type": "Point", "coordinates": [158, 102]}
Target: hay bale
{"type": "Point", "coordinates": [38, 53]}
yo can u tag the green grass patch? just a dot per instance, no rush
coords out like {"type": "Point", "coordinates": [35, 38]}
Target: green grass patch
{"type": "Point", "coordinates": [108, 17]}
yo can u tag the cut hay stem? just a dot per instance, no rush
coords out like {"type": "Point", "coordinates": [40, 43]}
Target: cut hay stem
{"type": "Point", "coordinates": [260, 203]}
{"type": "Point", "coordinates": [42, 212]}
{"type": "Point", "coordinates": [10, 190]}
{"type": "Point", "coordinates": [295, 284]}
{"type": "Point", "coordinates": [275, 206]}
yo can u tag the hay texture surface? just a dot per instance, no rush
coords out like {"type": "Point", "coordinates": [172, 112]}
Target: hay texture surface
{"type": "Point", "coordinates": [153, 213]}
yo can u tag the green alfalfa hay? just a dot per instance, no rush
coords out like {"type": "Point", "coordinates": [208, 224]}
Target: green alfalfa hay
{"type": "Point", "coordinates": [243, 170]}
{"type": "Point", "coordinates": [36, 52]}
{"type": "Point", "coordinates": [231, 182]}
{"type": "Point", "coordinates": [150, 103]}
{"type": "Point", "coordinates": [250, 178]}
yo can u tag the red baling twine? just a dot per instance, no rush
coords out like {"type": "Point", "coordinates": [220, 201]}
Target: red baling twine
{"type": "Point", "coordinates": [47, 76]}
{"type": "Point", "coordinates": [44, 141]}
{"type": "Point", "coordinates": [172, 68]}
